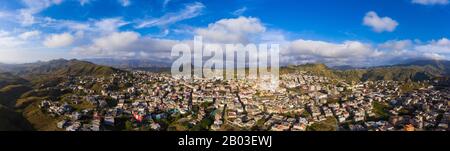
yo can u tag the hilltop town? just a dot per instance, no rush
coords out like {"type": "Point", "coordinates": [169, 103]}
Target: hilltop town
{"type": "Point", "coordinates": [141, 101]}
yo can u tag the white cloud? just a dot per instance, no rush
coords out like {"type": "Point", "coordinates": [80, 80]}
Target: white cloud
{"type": "Point", "coordinates": [127, 44]}
{"type": "Point", "coordinates": [110, 24]}
{"type": "Point", "coordinates": [29, 34]}
{"type": "Point", "coordinates": [249, 29]}
{"type": "Point", "coordinates": [396, 44]}
{"type": "Point", "coordinates": [7, 40]}
{"type": "Point", "coordinates": [331, 50]}
{"type": "Point", "coordinates": [240, 11]}
{"type": "Point", "coordinates": [408, 49]}
{"type": "Point", "coordinates": [165, 3]}
{"type": "Point", "coordinates": [434, 56]}
{"type": "Point", "coordinates": [346, 53]}
{"type": "Point", "coordinates": [4, 14]}
{"type": "Point", "coordinates": [125, 3]}
{"type": "Point", "coordinates": [84, 2]}
{"type": "Point", "coordinates": [26, 15]}
{"type": "Point", "coordinates": [431, 2]}
{"type": "Point", "coordinates": [379, 24]}
{"type": "Point", "coordinates": [110, 44]}
{"type": "Point", "coordinates": [190, 11]}
{"type": "Point", "coordinates": [117, 40]}
{"type": "Point", "coordinates": [235, 30]}
{"type": "Point", "coordinates": [441, 46]}
{"type": "Point", "coordinates": [105, 25]}
{"type": "Point", "coordinates": [58, 40]}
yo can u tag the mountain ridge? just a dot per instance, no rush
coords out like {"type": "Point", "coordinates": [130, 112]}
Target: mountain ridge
{"type": "Point", "coordinates": [415, 71]}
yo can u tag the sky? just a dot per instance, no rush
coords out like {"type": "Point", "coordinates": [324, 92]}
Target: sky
{"type": "Point", "coordinates": [335, 32]}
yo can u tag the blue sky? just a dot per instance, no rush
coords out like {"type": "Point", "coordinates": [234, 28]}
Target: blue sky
{"type": "Point", "coordinates": [336, 32]}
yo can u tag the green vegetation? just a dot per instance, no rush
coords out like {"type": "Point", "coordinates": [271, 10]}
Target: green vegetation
{"type": "Point", "coordinates": [410, 86]}
{"type": "Point", "coordinates": [380, 110]}
{"type": "Point", "coordinates": [330, 124]}
{"type": "Point", "coordinates": [24, 102]}
{"type": "Point", "coordinates": [204, 125]}
{"type": "Point", "coordinates": [413, 73]}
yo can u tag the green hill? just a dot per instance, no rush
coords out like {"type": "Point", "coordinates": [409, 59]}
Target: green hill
{"type": "Point", "coordinates": [16, 92]}
{"type": "Point", "coordinates": [59, 68]}
{"type": "Point", "coordinates": [413, 73]}
{"type": "Point", "coordinates": [424, 70]}
{"type": "Point", "coordinates": [316, 69]}
{"type": "Point", "coordinates": [52, 72]}
{"type": "Point", "coordinates": [443, 66]}
{"type": "Point", "coordinates": [323, 70]}
{"type": "Point", "coordinates": [75, 67]}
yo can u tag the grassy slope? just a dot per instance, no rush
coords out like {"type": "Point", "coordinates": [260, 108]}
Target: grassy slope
{"type": "Point", "coordinates": [330, 124]}
{"type": "Point", "coordinates": [38, 119]}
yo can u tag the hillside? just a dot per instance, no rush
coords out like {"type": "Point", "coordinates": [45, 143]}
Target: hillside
{"type": "Point", "coordinates": [37, 119]}
{"type": "Point", "coordinates": [325, 71]}
{"type": "Point", "coordinates": [60, 67]}
{"type": "Point", "coordinates": [12, 121]}
{"type": "Point", "coordinates": [10, 93]}
{"type": "Point", "coordinates": [10, 79]}
{"type": "Point", "coordinates": [316, 69]}
{"type": "Point", "coordinates": [56, 70]}
{"type": "Point", "coordinates": [415, 71]}
{"type": "Point", "coordinates": [76, 68]}
{"type": "Point", "coordinates": [66, 67]}
{"type": "Point", "coordinates": [16, 94]}
{"type": "Point", "coordinates": [443, 66]}
{"type": "Point", "coordinates": [131, 63]}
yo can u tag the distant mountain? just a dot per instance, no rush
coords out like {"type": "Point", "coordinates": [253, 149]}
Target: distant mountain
{"type": "Point", "coordinates": [317, 69]}
{"type": "Point", "coordinates": [10, 79]}
{"type": "Point", "coordinates": [416, 70]}
{"type": "Point", "coordinates": [59, 67]}
{"type": "Point", "coordinates": [52, 72]}
{"type": "Point", "coordinates": [325, 71]}
{"type": "Point", "coordinates": [441, 65]}
{"type": "Point", "coordinates": [131, 63]}
{"type": "Point", "coordinates": [76, 67]}
{"type": "Point", "coordinates": [345, 67]}
{"type": "Point", "coordinates": [399, 73]}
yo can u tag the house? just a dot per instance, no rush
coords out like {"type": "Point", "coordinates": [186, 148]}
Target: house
{"type": "Point", "coordinates": [95, 125]}
{"type": "Point", "coordinates": [76, 116]}
{"type": "Point", "coordinates": [409, 127]}
{"type": "Point", "coordinates": [102, 103]}
{"type": "Point", "coordinates": [155, 126]}
{"type": "Point", "coordinates": [109, 120]}
{"type": "Point", "coordinates": [62, 124]}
